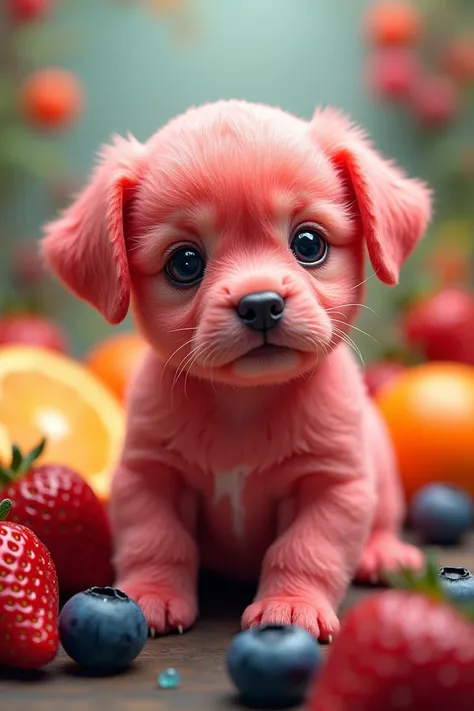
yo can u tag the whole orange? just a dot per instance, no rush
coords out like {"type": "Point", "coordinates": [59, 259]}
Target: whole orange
{"type": "Point", "coordinates": [115, 360]}
{"type": "Point", "coordinates": [429, 410]}
{"type": "Point", "coordinates": [51, 98]}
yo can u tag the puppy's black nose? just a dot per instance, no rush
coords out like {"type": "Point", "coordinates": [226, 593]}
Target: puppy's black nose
{"type": "Point", "coordinates": [261, 311]}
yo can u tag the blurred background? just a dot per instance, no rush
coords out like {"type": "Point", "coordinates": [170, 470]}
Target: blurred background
{"type": "Point", "coordinates": [74, 71]}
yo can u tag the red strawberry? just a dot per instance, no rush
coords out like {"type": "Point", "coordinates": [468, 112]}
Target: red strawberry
{"type": "Point", "coordinates": [400, 650]}
{"type": "Point", "coordinates": [66, 515]}
{"type": "Point", "coordinates": [32, 330]}
{"type": "Point", "coordinates": [28, 598]}
{"type": "Point", "coordinates": [441, 326]}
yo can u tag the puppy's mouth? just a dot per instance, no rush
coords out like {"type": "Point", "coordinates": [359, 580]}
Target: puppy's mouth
{"type": "Point", "coordinates": [268, 350]}
{"type": "Point", "coordinates": [267, 361]}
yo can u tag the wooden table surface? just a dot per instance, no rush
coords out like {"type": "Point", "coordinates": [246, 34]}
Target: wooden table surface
{"type": "Point", "coordinates": [199, 655]}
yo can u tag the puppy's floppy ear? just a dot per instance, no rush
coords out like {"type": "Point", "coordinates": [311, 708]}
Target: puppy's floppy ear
{"type": "Point", "coordinates": [85, 246]}
{"type": "Point", "coordinates": [394, 210]}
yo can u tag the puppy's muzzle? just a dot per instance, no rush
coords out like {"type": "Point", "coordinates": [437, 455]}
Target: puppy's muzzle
{"type": "Point", "coordinates": [261, 311]}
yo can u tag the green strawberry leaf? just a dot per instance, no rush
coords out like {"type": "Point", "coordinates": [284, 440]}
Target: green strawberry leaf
{"type": "Point", "coordinates": [31, 457]}
{"type": "Point", "coordinates": [17, 458]}
{"type": "Point", "coordinates": [5, 508]}
{"type": "Point", "coordinates": [20, 464]}
{"type": "Point", "coordinates": [428, 583]}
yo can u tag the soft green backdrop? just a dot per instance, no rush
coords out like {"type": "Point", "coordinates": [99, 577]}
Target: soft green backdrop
{"type": "Point", "coordinates": [292, 53]}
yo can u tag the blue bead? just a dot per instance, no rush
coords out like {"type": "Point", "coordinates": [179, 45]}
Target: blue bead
{"type": "Point", "coordinates": [169, 679]}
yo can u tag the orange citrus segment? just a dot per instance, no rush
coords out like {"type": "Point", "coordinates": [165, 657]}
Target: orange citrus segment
{"type": "Point", "coordinates": [5, 447]}
{"type": "Point", "coordinates": [43, 394]}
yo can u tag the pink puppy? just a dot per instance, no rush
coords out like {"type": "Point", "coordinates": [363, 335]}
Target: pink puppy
{"type": "Point", "coordinates": [252, 447]}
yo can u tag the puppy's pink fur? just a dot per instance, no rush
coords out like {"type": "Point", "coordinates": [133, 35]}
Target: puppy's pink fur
{"type": "Point", "coordinates": [278, 467]}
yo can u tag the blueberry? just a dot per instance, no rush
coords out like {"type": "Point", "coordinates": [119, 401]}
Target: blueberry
{"type": "Point", "coordinates": [102, 629]}
{"type": "Point", "coordinates": [273, 665]}
{"type": "Point", "coordinates": [458, 584]}
{"type": "Point", "coordinates": [441, 513]}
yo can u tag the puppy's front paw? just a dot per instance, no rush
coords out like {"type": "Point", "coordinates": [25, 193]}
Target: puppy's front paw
{"type": "Point", "coordinates": [315, 615]}
{"type": "Point", "coordinates": [165, 608]}
{"type": "Point", "coordinates": [384, 552]}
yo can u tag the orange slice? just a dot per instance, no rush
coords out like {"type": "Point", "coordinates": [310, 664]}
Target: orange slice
{"type": "Point", "coordinates": [5, 447]}
{"type": "Point", "coordinates": [43, 394]}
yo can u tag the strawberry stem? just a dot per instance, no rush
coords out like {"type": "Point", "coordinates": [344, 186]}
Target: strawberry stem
{"type": "Point", "coordinates": [429, 584]}
{"type": "Point", "coordinates": [5, 508]}
{"type": "Point", "coordinates": [25, 463]}
{"type": "Point", "coordinates": [20, 464]}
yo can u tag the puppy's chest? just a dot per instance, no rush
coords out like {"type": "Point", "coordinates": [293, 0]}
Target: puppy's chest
{"type": "Point", "coordinates": [252, 459]}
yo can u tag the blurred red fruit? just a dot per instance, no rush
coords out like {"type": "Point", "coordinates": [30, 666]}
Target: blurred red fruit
{"type": "Point", "coordinates": [458, 59]}
{"type": "Point", "coordinates": [29, 10]}
{"type": "Point", "coordinates": [32, 330]}
{"type": "Point", "coordinates": [51, 98]}
{"type": "Point", "coordinates": [379, 375]}
{"type": "Point", "coordinates": [393, 23]}
{"type": "Point", "coordinates": [442, 326]}
{"type": "Point", "coordinates": [435, 101]}
{"type": "Point", "coordinates": [393, 72]}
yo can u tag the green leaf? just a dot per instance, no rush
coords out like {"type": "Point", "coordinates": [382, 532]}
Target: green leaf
{"type": "Point", "coordinates": [31, 457]}
{"type": "Point", "coordinates": [6, 477]}
{"type": "Point", "coordinates": [17, 458]}
{"type": "Point", "coordinates": [427, 582]}
{"type": "Point", "coordinates": [5, 508]}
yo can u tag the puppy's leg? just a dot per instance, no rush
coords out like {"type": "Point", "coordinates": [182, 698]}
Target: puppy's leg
{"type": "Point", "coordinates": [385, 550]}
{"type": "Point", "coordinates": [156, 556]}
{"type": "Point", "coordinates": [308, 568]}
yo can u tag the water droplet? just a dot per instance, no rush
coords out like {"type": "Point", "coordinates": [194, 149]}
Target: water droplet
{"type": "Point", "coordinates": [169, 679]}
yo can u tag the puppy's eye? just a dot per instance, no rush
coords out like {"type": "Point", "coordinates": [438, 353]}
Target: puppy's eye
{"type": "Point", "coordinates": [309, 246]}
{"type": "Point", "coordinates": [186, 266]}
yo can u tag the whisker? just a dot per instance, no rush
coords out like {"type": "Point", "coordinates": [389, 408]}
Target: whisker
{"type": "Point", "coordinates": [182, 365]}
{"type": "Point", "coordinates": [200, 352]}
{"type": "Point", "coordinates": [211, 367]}
{"type": "Point", "coordinates": [362, 306]}
{"type": "Point", "coordinates": [187, 343]}
{"type": "Point", "coordinates": [363, 282]}
{"type": "Point", "coordinates": [355, 328]}
{"type": "Point", "coordinates": [348, 341]}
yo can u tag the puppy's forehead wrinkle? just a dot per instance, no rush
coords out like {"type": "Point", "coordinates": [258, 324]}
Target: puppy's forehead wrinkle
{"type": "Point", "coordinates": [212, 186]}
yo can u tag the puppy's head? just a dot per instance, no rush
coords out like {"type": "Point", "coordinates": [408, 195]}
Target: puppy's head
{"type": "Point", "coordinates": [240, 231]}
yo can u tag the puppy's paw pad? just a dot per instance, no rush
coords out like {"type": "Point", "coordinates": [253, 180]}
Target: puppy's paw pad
{"type": "Point", "coordinates": [317, 618]}
{"type": "Point", "coordinates": [386, 554]}
{"type": "Point", "coordinates": [165, 609]}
